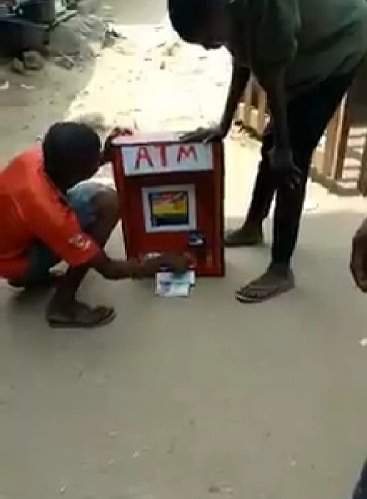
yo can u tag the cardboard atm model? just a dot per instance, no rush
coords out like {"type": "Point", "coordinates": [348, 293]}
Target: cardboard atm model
{"type": "Point", "coordinates": [171, 197]}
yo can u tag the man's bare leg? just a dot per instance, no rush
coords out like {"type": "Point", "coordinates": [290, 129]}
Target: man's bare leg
{"type": "Point", "coordinates": [278, 279]}
{"type": "Point", "coordinates": [64, 310]}
{"type": "Point", "coordinates": [251, 232]}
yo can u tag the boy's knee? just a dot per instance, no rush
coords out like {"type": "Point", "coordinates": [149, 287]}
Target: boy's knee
{"type": "Point", "coordinates": [106, 204]}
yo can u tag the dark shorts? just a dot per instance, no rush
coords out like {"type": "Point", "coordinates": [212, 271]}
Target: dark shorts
{"type": "Point", "coordinates": [80, 198]}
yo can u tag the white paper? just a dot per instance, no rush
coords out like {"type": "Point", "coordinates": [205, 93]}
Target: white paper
{"type": "Point", "coordinates": [170, 285]}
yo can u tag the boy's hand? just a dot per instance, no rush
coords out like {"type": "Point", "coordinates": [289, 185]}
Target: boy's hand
{"type": "Point", "coordinates": [107, 152]}
{"type": "Point", "coordinates": [150, 266]}
{"type": "Point", "coordinates": [205, 135]}
{"type": "Point", "coordinates": [176, 263]}
{"type": "Point", "coordinates": [282, 165]}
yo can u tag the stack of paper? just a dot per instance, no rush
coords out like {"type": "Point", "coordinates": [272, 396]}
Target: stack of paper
{"type": "Point", "coordinates": [170, 285]}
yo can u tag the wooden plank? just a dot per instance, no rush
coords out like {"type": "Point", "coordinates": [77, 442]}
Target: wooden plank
{"type": "Point", "coordinates": [362, 181]}
{"type": "Point", "coordinates": [343, 139]}
{"type": "Point", "coordinates": [248, 104]}
{"type": "Point", "coordinates": [331, 144]}
{"type": "Point", "coordinates": [261, 111]}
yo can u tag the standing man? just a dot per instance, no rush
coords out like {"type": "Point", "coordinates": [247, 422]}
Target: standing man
{"type": "Point", "coordinates": [304, 53]}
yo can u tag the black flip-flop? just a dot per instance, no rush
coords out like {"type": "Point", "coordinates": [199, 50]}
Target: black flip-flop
{"type": "Point", "coordinates": [240, 243]}
{"type": "Point", "coordinates": [278, 290]}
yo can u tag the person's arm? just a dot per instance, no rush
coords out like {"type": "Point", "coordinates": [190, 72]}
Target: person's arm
{"type": "Point", "coordinates": [274, 85]}
{"type": "Point", "coordinates": [240, 77]}
{"type": "Point", "coordinates": [274, 46]}
{"type": "Point", "coordinates": [281, 156]}
{"type": "Point", "coordinates": [123, 269]}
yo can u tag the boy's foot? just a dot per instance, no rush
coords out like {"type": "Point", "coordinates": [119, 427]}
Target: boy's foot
{"type": "Point", "coordinates": [244, 236]}
{"type": "Point", "coordinates": [48, 281]}
{"type": "Point", "coordinates": [274, 282]}
{"type": "Point", "coordinates": [78, 316]}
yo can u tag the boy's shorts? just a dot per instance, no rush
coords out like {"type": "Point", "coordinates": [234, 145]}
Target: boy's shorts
{"type": "Point", "coordinates": [80, 199]}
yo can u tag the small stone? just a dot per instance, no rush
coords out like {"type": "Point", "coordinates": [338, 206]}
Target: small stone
{"type": "Point", "coordinates": [65, 61]}
{"type": "Point", "coordinates": [109, 40]}
{"type": "Point", "coordinates": [17, 66]}
{"type": "Point", "coordinates": [27, 87]}
{"type": "Point", "coordinates": [4, 85]}
{"type": "Point", "coordinates": [33, 60]}
{"type": "Point", "coordinates": [221, 489]}
{"type": "Point", "coordinates": [172, 49]}
{"type": "Point", "coordinates": [113, 434]}
{"type": "Point", "coordinates": [214, 489]}
{"type": "Point", "coordinates": [62, 490]}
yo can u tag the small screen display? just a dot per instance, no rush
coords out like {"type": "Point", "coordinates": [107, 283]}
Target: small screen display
{"type": "Point", "coordinates": [169, 208]}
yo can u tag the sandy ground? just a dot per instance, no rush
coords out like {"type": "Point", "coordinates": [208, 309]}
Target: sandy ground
{"type": "Point", "coordinates": [191, 398]}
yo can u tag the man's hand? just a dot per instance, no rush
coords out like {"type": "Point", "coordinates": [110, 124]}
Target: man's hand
{"type": "Point", "coordinates": [282, 165]}
{"type": "Point", "coordinates": [205, 135]}
{"type": "Point", "coordinates": [358, 263]}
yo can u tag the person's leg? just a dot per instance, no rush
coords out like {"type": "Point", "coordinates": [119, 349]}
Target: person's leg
{"type": "Point", "coordinates": [360, 491]}
{"type": "Point", "coordinates": [98, 210]}
{"type": "Point", "coordinates": [251, 232]}
{"type": "Point", "coordinates": [41, 260]}
{"type": "Point", "coordinates": [308, 116]}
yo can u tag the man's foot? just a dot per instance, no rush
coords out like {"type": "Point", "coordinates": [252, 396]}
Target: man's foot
{"type": "Point", "coordinates": [78, 316]}
{"type": "Point", "coordinates": [275, 281]}
{"type": "Point", "coordinates": [247, 235]}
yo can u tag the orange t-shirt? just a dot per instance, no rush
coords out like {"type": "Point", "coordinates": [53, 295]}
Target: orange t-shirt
{"type": "Point", "coordinates": [32, 209]}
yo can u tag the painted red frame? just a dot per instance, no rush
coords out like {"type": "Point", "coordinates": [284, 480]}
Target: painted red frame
{"type": "Point", "coordinates": [209, 187]}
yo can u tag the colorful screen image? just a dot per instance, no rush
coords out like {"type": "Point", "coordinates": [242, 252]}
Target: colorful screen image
{"type": "Point", "coordinates": [169, 208]}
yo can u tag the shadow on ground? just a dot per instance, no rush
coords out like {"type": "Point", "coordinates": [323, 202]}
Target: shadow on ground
{"type": "Point", "coordinates": [176, 397]}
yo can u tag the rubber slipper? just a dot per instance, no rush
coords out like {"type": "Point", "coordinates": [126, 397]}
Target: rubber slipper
{"type": "Point", "coordinates": [237, 240]}
{"type": "Point", "coordinates": [242, 297]}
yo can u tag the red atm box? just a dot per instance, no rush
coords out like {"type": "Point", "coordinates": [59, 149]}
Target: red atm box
{"type": "Point", "coordinates": [171, 196]}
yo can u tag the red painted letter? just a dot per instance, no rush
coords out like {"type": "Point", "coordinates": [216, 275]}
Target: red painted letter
{"type": "Point", "coordinates": [143, 155]}
{"type": "Point", "coordinates": [184, 152]}
{"type": "Point", "coordinates": [163, 154]}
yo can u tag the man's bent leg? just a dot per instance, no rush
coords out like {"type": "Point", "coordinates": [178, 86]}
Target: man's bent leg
{"type": "Point", "coordinates": [360, 491]}
{"type": "Point", "coordinates": [308, 116]}
{"type": "Point", "coordinates": [64, 310]}
{"type": "Point", "coordinates": [251, 232]}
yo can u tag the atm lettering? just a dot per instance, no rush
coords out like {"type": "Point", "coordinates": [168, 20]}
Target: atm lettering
{"type": "Point", "coordinates": [144, 157]}
{"type": "Point", "coordinates": [184, 152]}
{"type": "Point", "coordinates": [162, 148]}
